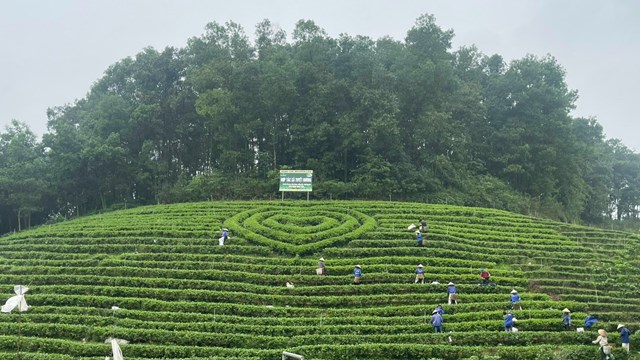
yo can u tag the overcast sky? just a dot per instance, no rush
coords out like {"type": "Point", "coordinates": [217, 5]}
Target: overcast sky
{"type": "Point", "coordinates": [51, 51]}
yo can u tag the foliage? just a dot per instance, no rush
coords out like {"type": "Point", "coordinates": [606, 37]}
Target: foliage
{"type": "Point", "coordinates": [375, 119]}
{"type": "Point", "coordinates": [182, 296]}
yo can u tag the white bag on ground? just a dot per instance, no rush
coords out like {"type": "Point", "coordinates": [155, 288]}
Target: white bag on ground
{"type": "Point", "coordinates": [117, 353]}
{"type": "Point", "coordinates": [115, 347]}
{"type": "Point", "coordinates": [16, 301]}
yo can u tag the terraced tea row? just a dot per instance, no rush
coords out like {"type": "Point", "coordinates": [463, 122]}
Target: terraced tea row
{"type": "Point", "coordinates": [182, 296]}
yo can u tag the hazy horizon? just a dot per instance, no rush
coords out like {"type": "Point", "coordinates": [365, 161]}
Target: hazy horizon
{"type": "Point", "coordinates": [55, 51]}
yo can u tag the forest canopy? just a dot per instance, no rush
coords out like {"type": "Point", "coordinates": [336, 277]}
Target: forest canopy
{"type": "Point", "coordinates": [410, 120]}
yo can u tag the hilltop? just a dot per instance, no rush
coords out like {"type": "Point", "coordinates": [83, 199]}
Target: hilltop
{"type": "Point", "coordinates": [182, 296]}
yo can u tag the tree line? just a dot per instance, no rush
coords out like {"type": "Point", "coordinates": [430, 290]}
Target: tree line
{"type": "Point", "coordinates": [406, 120]}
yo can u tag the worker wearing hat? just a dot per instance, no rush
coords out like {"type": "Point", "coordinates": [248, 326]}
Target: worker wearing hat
{"type": "Point", "coordinates": [225, 235]}
{"type": "Point", "coordinates": [603, 341]}
{"type": "Point", "coordinates": [436, 321]}
{"type": "Point", "coordinates": [439, 309]}
{"type": "Point", "coordinates": [566, 319]}
{"type": "Point", "coordinates": [321, 270]}
{"type": "Point", "coordinates": [453, 293]}
{"type": "Point", "coordinates": [357, 274]}
{"type": "Point", "coordinates": [419, 274]}
{"type": "Point", "coordinates": [418, 237]}
{"type": "Point", "coordinates": [624, 336]}
{"type": "Point", "coordinates": [515, 300]}
{"type": "Point", "coordinates": [508, 322]}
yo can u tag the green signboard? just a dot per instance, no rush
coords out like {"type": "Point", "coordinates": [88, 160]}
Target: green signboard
{"type": "Point", "coordinates": [296, 180]}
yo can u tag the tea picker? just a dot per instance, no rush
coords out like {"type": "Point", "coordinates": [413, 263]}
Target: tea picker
{"type": "Point", "coordinates": [515, 300]}
{"type": "Point", "coordinates": [436, 321]}
{"type": "Point", "coordinates": [357, 274]}
{"type": "Point", "coordinates": [509, 320]}
{"type": "Point", "coordinates": [321, 269]}
{"type": "Point", "coordinates": [418, 237]}
{"type": "Point", "coordinates": [625, 334]}
{"type": "Point", "coordinates": [452, 293]}
{"type": "Point", "coordinates": [224, 237]}
{"type": "Point", "coordinates": [566, 318]}
{"type": "Point", "coordinates": [419, 274]}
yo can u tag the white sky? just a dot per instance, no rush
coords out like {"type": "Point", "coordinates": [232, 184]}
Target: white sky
{"type": "Point", "coordinates": [53, 50]}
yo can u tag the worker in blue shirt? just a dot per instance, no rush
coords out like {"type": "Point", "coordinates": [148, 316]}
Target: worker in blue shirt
{"type": "Point", "coordinates": [589, 321]}
{"type": "Point", "coordinates": [566, 319]}
{"type": "Point", "coordinates": [357, 274]}
{"type": "Point", "coordinates": [419, 274]}
{"type": "Point", "coordinates": [624, 336]}
{"type": "Point", "coordinates": [515, 300]}
{"type": "Point", "coordinates": [225, 236]}
{"type": "Point", "coordinates": [508, 322]}
{"type": "Point", "coordinates": [436, 321]}
{"type": "Point", "coordinates": [418, 237]}
{"type": "Point", "coordinates": [453, 293]}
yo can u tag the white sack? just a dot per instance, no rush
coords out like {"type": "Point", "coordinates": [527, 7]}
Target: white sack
{"type": "Point", "coordinates": [221, 241]}
{"type": "Point", "coordinates": [16, 301]}
{"type": "Point", "coordinates": [115, 347]}
{"type": "Point", "coordinates": [117, 353]}
{"type": "Point", "coordinates": [412, 226]}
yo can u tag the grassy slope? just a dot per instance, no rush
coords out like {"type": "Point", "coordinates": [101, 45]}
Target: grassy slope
{"type": "Point", "coordinates": [182, 296]}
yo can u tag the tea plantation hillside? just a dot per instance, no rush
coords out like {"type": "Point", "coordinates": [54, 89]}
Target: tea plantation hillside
{"type": "Point", "coordinates": [182, 296]}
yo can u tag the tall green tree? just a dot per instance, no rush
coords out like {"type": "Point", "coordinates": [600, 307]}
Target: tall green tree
{"type": "Point", "coordinates": [22, 171]}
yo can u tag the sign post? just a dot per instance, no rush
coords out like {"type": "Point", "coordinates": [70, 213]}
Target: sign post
{"type": "Point", "coordinates": [296, 180]}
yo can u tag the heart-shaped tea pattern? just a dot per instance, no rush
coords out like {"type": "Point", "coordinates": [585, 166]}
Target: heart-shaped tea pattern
{"type": "Point", "coordinates": [300, 230]}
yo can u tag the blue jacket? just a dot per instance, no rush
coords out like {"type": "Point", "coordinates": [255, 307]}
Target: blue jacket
{"type": "Point", "coordinates": [419, 271]}
{"type": "Point", "coordinates": [418, 237]}
{"type": "Point", "coordinates": [566, 319]}
{"type": "Point", "coordinates": [624, 335]}
{"type": "Point", "coordinates": [515, 298]}
{"type": "Point", "coordinates": [436, 319]}
{"type": "Point", "coordinates": [357, 272]}
{"type": "Point", "coordinates": [590, 321]}
{"type": "Point", "coordinates": [452, 289]}
{"type": "Point", "coordinates": [225, 234]}
{"type": "Point", "coordinates": [508, 321]}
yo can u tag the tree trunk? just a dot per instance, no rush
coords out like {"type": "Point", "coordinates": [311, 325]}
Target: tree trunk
{"type": "Point", "coordinates": [19, 215]}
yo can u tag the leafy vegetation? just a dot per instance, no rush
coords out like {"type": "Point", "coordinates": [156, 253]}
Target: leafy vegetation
{"type": "Point", "coordinates": [410, 120]}
{"type": "Point", "coordinates": [182, 296]}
